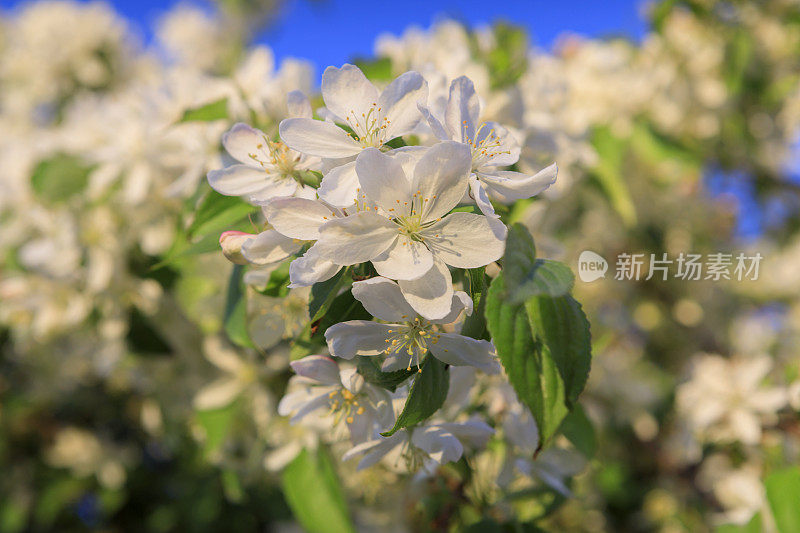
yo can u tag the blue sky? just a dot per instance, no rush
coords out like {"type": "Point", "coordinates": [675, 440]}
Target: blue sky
{"type": "Point", "coordinates": [331, 32]}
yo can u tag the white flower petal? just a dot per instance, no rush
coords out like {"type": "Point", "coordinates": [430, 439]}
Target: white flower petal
{"type": "Point", "coordinates": [383, 181]}
{"type": "Point", "coordinates": [398, 103]}
{"type": "Point", "coordinates": [318, 368]}
{"type": "Point", "coordinates": [441, 445]}
{"type": "Point", "coordinates": [461, 303]}
{"type": "Point", "coordinates": [463, 110]}
{"type": "Point", "coordinates": [474, 431]}
{"type": "Point", "coordinates": [500, 148]}
{"type": "Point", "coordinates": [239, 180]}
{"type": "Point", "coordinates": [458, 350]}
{"type": "Point", "coordinates": [406, 259]}
{"type": "Point", "coordinates": [221, 356]}
{"type": "Point", "coordinates": [511, 186]}
{"type": "Point", "coordinates": [437, 127]}
{"type": "Point", "coordinates": [478, 193]}
{"type": "Point", "coordinates": [441, 177]}
{"type": "Point", "coordinates": [297, 218]}
{"type": "Point", "coordinates": [298, 105]}
{"type": "Point", "coordinates": [317, 137]}
{"type": "Point", "coordinates": [339, 186]}
{"type": "Point", "coordinates": [374, 450]}
{"type": "Point", "coordinates": [383, 299]}
{"type": "Point", "coordinates": [357, 337]}
{"type": "Point", "coordinates": [356, 238]}
{"type": "Point", "coordinates": [311, 268]}
{"type": "Point", "coordinates": [269, 247]}
{"type": "Point", "coordinates": [242, 140]}
{"type": "Point", "coordinates": [316, 402]}
{"type": "Point", "coordinates": [347, 92]}
{"type": "Point", "coordinates": [218, 394]}
{"type": "Point", "coordinates": [466, 240]}
{"type": "Point", "coordinates": [431, 295]}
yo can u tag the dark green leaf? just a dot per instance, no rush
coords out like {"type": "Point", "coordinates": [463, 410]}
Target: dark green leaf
{"type": "Point", "coordinates": [235, 318]}
{"type": "Point", "coordinates": [427, 395]}
{"type": "Point", "coordinates": [278, 282]}
{"type": "Point", "coordinates": [215, 110]}
{"type": "Point", "coordinates": [525, 276]}
{"type": "Point", "coordinates": [323, 294]}
{"type": "Point", "coordinates": [544, 347]}
{"type": "Point", "coordinates": [783, 495]}
{"type": "Point", "coordinates": [579, 430]}
{"type": "Point", "coordinates": [371, 371]}
{"type": "Point", "coordinates": [475, 324]}
{"type": "Point", "coordinates": [60, 177]}
{"type": "Point", "coordinates": [343, 308]}
{"type": "Point", "coordinates": [315, 495]}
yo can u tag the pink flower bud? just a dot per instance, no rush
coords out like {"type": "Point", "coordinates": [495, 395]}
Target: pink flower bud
{"type": "Point", "coordinates": [231, 243]}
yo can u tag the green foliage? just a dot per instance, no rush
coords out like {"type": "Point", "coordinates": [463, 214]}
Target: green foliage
{"type": "Point", "coordinates": [543, 343]}
{"type": "Point", "coordinates": [216, 110]}
{"type": "Point", "coordinates": [508, 59]}
{"type": "Point", "coordinates": [235, 317]}
{"type": "Point", "coordinates": [278, 283]}
{"type": "Point", "coordinates": [428, 393]}
{"type": "Point", "coordinates": [371, 371]}
{"type": "Point", "coordinates": [529, 276]}
{"type": "Point", "coordinates": [783, 495]}
{"type": "Point", "coordinates": [315, 495]}
{"type": "Point", "coordinates": [579, 430]}
{"type": "Point", "coordinates": [753, 526]}
{"type": "Point", "coordinates": [608, 173]}
{"type": "Point", "coordinates": [60, 177]}
{"type": "Point", "coordinates": [216, 424]}
{"type": "Point", "coordinates": [376, 69]}
{"type": "Point", "coordinates": [324, 293]}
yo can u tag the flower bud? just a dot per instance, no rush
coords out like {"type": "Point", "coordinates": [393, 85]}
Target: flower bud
{"type": "Point", "coordinates": [231, 243]}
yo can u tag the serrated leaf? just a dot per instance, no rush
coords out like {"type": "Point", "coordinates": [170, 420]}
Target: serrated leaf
{"type": "Point", "coordinates": [323, 294]}
{"type": "Point", "coordinates": [235, 318]}
{"type": "Point", "coordinates": [427, 394]}
{"type": "Point", "coordinates": [59, 177]}
{"type": "Point", "coordinates": [783, 495]}
{"type": "Point", "coordinates": [527, 276]}
{"type": "Point", "coordinates": [315, 495]}
{"type": "Point", "coordinates": [372, 373]}
{"type": "Point", "coordinates": [544, 347]}
{"type": "Point", "coordinates": [215, 110]}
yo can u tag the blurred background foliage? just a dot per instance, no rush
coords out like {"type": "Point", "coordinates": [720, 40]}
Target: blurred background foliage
{"type": "Point", "coordinates": [121, 408]}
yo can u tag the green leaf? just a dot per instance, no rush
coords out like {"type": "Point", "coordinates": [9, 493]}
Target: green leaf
{"type": "Point", "coordinates": [215, 110]}
{"type": "Point", "coordinates": [579, 430]}
{"type": "Point", "coordinates": [217, 213]}
{"type": "Point", "coordinates": [427, 395]}
{"type": "Point", "coordinates": [60, 177]}
{"type": "Point", "coordinates": [215, 424]}
{"type": "Point", "coordinates": [315, 495]}
{"type": "Point", "coordinates": [475, 324]}
{"type": "Point", "coordinates": [235, 318]}
{"type": "Point", "coordinates": [343, 308]}
{"type": "Point", "coordinates": [525, 276]}
{"type": "Point", "coordinates": [323, 294]}
{"type": "Point", "coordinates": [608, 173]}
{"type": "Point", "coordinates": [544, 347]}
{"type": "Point", "coordinates": [783, 495]}
{"type": "Point", "coordinates": [371, 371]}
{"type": "Point", "coordinates": [278, 282]}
